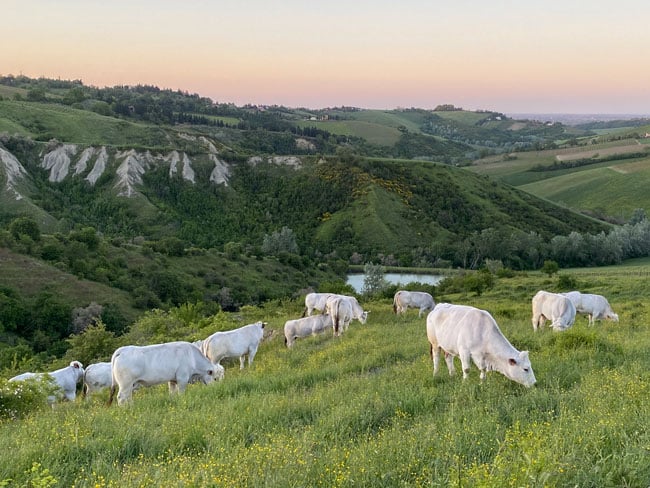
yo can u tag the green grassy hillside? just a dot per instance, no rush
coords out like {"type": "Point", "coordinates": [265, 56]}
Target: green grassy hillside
{"type": "Point", "coordinates": [609, 178]}
{"type": "Point", "coordinates": [43, 121]}
{"type": "Point", "coordinates": [615, 190]}
{"type": "Point", "coordinates": [364, 409]}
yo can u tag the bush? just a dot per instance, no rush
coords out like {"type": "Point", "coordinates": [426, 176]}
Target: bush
{"type": "Point", "coordinates": [567, 282]}
{"type": "Point", "coordinates": [18, 398]}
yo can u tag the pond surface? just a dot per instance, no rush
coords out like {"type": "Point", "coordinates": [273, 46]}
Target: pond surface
{"type": "Point", "coordinates": [356, 279]}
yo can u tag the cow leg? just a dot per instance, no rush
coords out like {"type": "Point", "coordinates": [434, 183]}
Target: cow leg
{"type": "Point", "coordinates": [173, 387]}
{"type": "Point", "coordinates": [435, 356]}
{"type": "Point", "coordinates": [465, 361]}
{"type": "Point", "coordinates": [124, 394]}
{"type": "Point", "coordinates": [449, 359]}
{"type": "Point", "coordinates": [251, 356]}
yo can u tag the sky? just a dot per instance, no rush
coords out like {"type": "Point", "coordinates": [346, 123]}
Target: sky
{"type": "Point", "coordinates": [511, 56]}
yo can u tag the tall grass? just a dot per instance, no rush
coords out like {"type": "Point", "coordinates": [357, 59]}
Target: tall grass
{"type": "Point", "coordinates": [365, 410]}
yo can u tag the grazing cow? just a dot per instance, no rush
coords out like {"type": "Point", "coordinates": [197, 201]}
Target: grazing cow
{"type": "Point", "coordinates": [175, 363]}
{"type": "Point", "coordinates": [554, 307]}
{"type": "Point", "coordinates": [65, 378]}
{"type": "Point", "coordinates": [343, 309]}
{"type": "Point", "coordinates": [234, 343]}
{"type": "Point", "coordinates": [316, 301]}
{"type": "Point", "coordinates": [306, 326]}
{"type": "Point", "coordinates": [415, 299]}
{"type": "Point", "coordinates": [473, 335]}
{"type": "Point", "coordinates": [596, 307]}
{"type": "Point", "coordinates": [97, 377]}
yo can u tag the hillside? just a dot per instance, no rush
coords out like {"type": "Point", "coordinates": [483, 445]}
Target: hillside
{"type": "Point", "coordinates": [364, 409]}
{"type": "Point", "coordinates": [607, 177]}
{"type": "Point", "coordinates": [168, 198]}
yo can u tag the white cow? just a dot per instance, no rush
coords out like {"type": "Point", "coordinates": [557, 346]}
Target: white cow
{"type": "Point", "coordinates": [343, 309]}
{"type": "Point", "coordinates": [596, 307]}
{"type": "Point", "coordinates": [415, 299]}
{"type": "Point", "coordinates": [316, 301]}
{"type": "Point", "coordinates": [473, 335]}
{"type": "Point", "coordinates": [65, 378]}
{"type": "Point", "coordinates": [97, 377]}
{"type": "Point", "coordinates": [554, 307]}
{"type": "Point", "coordinates": [234, 343]}
{"type": "Point", "coordinates": [306, 326]}
{"type": "Point", "coordinates": [175, 363]}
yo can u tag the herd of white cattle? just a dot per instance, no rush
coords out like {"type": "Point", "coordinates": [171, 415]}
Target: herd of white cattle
{"type": "Point", "coordinates": [470, 333]}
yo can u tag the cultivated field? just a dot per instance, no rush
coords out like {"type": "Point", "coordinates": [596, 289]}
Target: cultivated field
{"type": "Point", "coordinates": [614, 186]}
{"type": "Point", "coordinates": [364, 409]}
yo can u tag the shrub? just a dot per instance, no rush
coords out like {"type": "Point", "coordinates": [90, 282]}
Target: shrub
{"type": "Point", "coordinates": [567, 282]}
{"type": "Point", "coordinates": [18, 398]}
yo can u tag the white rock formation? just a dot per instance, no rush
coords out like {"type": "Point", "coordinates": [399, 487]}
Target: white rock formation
{"type": "Point", "coordinates": [57, 162]}
{"type": "Point", "coordinates": [221, 172]}
{"type": "Point", "coordinates": [14, 171]}
{"type": "Point", "coordinates": [99, 167]}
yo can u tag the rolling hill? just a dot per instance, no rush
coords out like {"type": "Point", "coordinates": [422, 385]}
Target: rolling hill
{"type": "Point", "coordinates": [168, 198]}
{"type": "Point", "coordinates": [608, 179]}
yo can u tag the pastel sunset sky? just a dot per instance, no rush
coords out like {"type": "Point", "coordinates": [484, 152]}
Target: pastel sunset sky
{"type": "Point", "coordinates": [513, 56]}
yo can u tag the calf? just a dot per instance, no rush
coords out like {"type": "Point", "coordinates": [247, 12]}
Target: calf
{"type": "Point", "coordinates": [343, 310]}
{"type": "Point", "coordinates": [306, 326]}
{"type": "Point", "coordinates": [596, 307]}
{"type": "Point", "coordinates": [473, 335]}
{"type": "Point", "coordinates": [97, 377]}
{"type": "Point", "coordinates": [239, 343]}
{"type": "Point", "coordinates": [555, 307]}
{"type": "Point", "coordinates": [415, 299]}
{"type": "Point", "coordinates": [65, 378]}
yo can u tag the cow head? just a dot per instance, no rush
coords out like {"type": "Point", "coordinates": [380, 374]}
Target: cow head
{"type": "Point", "coordinates": [218, 372]}
{"type": "Point", "coordinates": [78, 368]}
{"type": "Point", "coordinates": [612, 316]}
{"type": "Point", "coordinates": [520, 370]}
{"type": "Point", "coordinates": [364, 317]}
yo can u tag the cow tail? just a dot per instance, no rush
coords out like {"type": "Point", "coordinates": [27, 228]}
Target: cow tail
{"type": "Point", "coordinates": [110, 398]}
{"type": "Point", "coordinates": [84, 387]}
{"type": "Point", "coordinates": [113, 385]}
{"type": "Point", "coordinates": [304, 312]}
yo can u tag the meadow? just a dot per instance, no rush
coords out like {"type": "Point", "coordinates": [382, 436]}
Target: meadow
{"type": "Point", "coordinates": [365, 410]}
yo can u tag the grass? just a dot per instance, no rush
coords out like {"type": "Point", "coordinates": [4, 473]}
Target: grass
{"type": "Point", "coordinates": [615, 187]}
{"type": "Point", "coordinates": [44, 121]}
{"type": "Point", "coordinates": [374, 133]}
{"type": "Point", "coordinates": [364, 410]}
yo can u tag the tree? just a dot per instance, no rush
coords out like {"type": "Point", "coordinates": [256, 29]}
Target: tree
{"type": "Point", "coordinates": [94, 344]}
{"type": "Point", "coordinates": [278, 242]}
{"type": "Point", "coordinates": [374, 281]}
{"type": "Point", "coordinates": [638, 215]}
{"type": "Point", "coordinates": [550, 267]}
{"type": "Point", "coordinates": [25, 226]}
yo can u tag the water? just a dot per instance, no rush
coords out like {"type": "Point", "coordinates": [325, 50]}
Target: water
{"type": "Point", "coordinates": [356, 279]}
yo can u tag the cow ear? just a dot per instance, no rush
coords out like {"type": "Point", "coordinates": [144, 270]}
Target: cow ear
{"type": "Point", "coordinates": [512, 361]}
